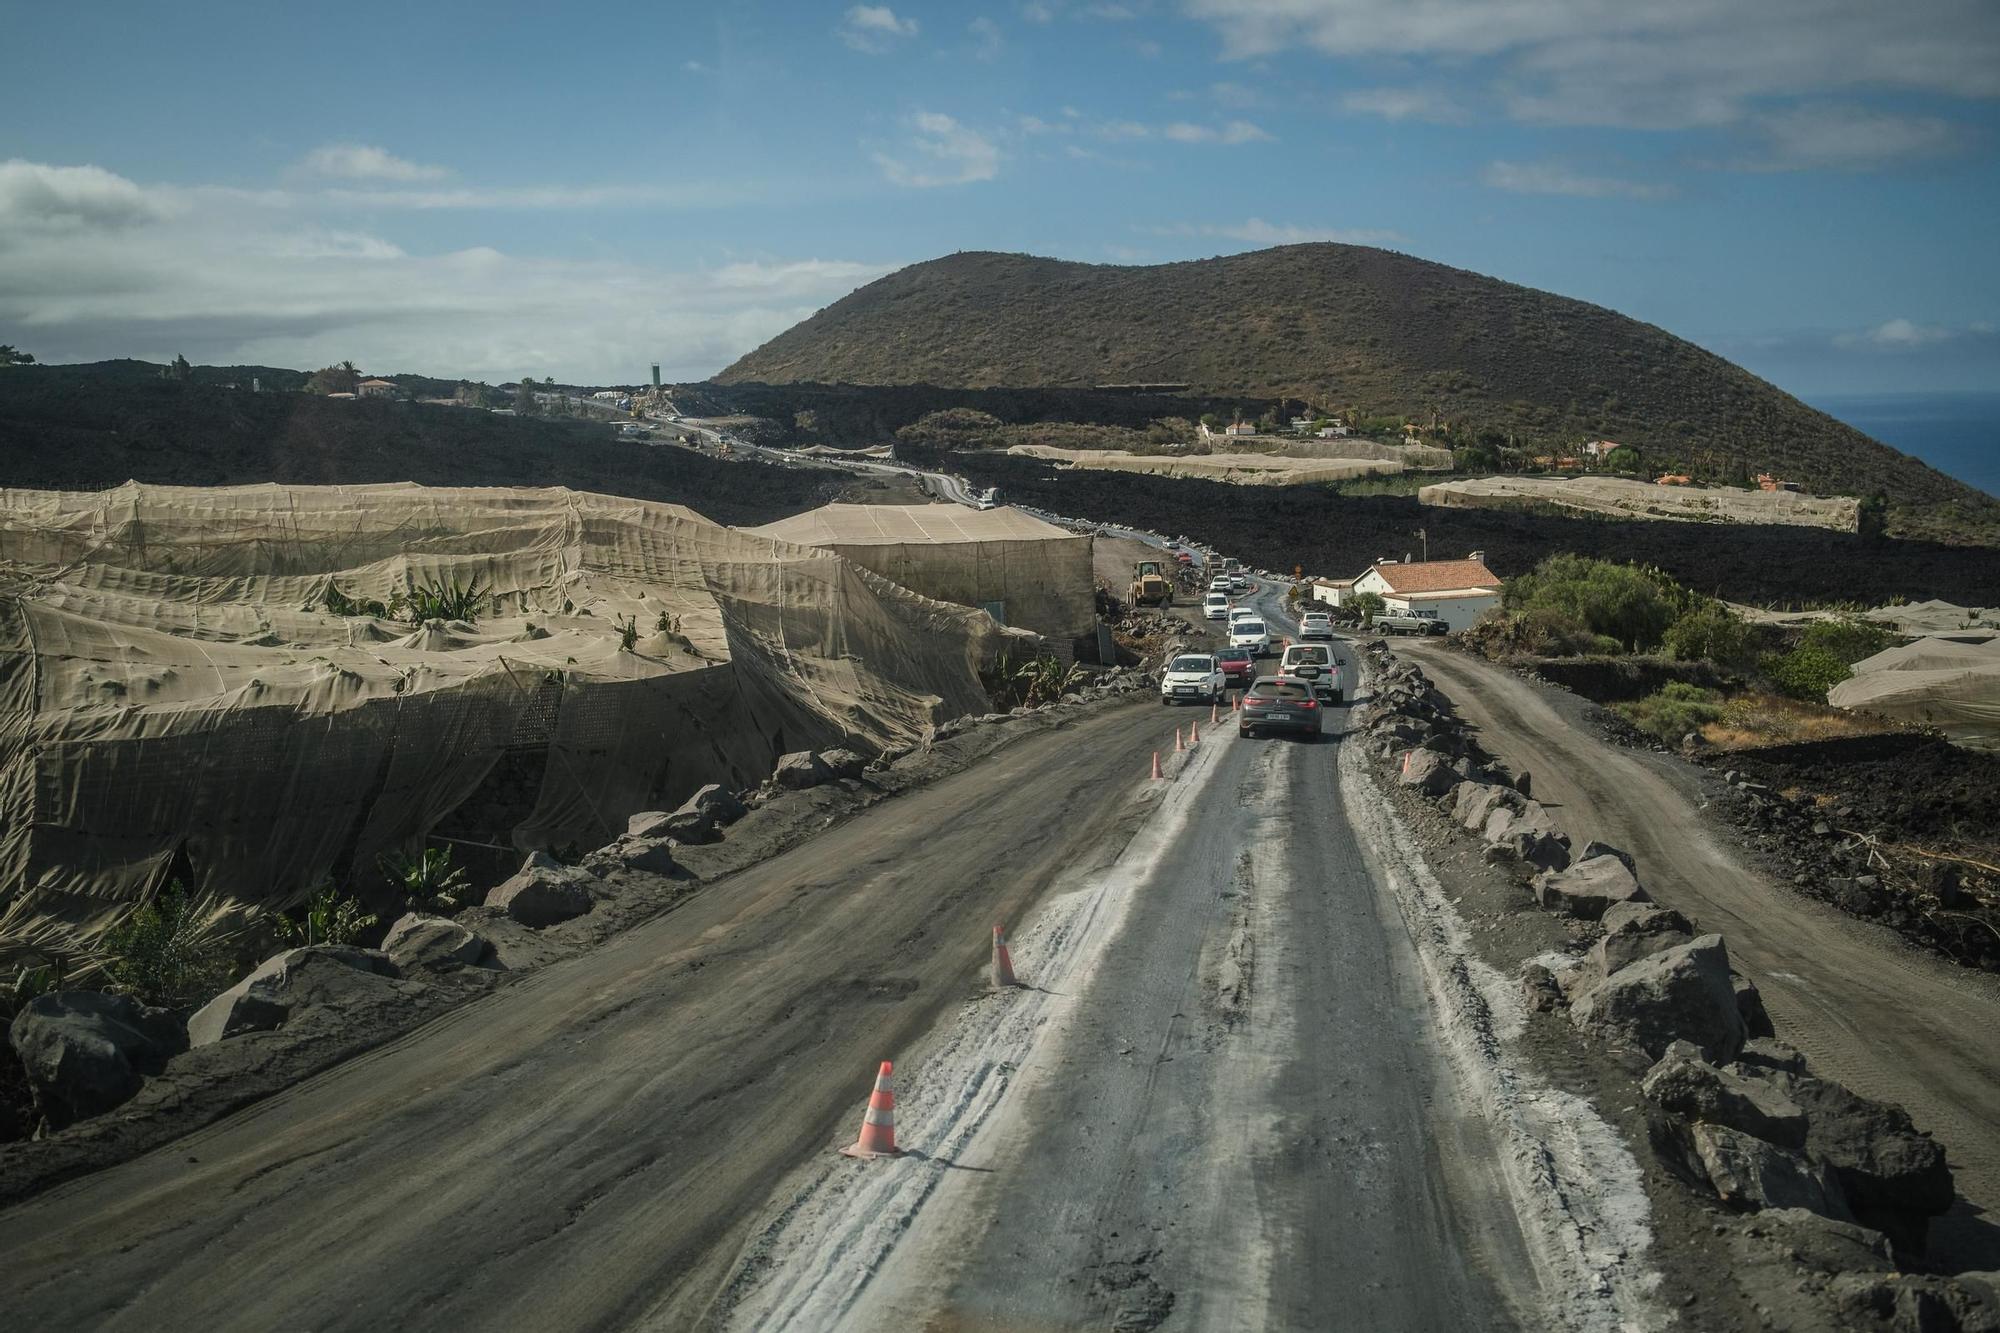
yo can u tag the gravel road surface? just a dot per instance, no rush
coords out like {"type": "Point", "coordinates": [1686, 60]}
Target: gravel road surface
{"type": "Point", "coordinates": [1247, 1124]}
{"type": "Point", "coordinates": [1883, 1018]}
{"type": "Point", "coordinates": [583, 1148]}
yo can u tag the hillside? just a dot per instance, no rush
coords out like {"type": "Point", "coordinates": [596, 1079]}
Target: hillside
{"type": "Point", "coordinates": [1358, 330]}
{"type": "Point", "coordinates": [92, 426]}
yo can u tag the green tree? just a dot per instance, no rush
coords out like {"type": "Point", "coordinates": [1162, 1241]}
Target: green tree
{"type": "Point", "coordinates": [1623, 459]}
{"type": "Point", "coordinates": [167, 952]}
{"type": "Point", "coordinates": [1805, 672]}
{"type": "Point", "coordinates": [524, 398]}
{"type": "Point", "coordinates": [11, 355]}
{"type": "Point", "coordinates": [333, 379]}
{"type": "Point", "coordinates": [1369, 604]}
{"type": "Point", "coordinates": [183, 372]}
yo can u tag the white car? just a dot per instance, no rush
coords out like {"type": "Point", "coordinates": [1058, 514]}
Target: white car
{"type": "Point", "coordinates": [1238, 583]}
{"type": "Point", "coordinates": [1237, 613]}
{"type": "Point", "coordinates": [1220, 583]}
{"type": "Point", "coordinates": [1315, 663]}
{"type": "Point", "coordinates": [1193, 678]}
{"type": "Point", "coordinates": [1217, 605]}
{"type": "Point", "coordinates": [1251, 634]}
{"type": "Point", "coordinates": [1315, 625]}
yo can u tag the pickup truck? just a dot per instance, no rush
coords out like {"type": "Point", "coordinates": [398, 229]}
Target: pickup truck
{"type": "Point", "coordinates": [1393, 623]}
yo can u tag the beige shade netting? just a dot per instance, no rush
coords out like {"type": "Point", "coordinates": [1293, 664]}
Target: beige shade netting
{"type": "Point", "coordinates": [172, 684]}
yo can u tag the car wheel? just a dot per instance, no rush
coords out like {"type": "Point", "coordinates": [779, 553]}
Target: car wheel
{"type": "Point", "coordinates": [1245, 732]}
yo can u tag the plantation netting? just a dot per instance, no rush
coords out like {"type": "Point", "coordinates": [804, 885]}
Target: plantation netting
{"type": "Point", "coordinates": [1941, 681]}
{"type": "Point", "coordinates": [173, 683]}
{"type": "Point", "coordinates": [1033, 574]}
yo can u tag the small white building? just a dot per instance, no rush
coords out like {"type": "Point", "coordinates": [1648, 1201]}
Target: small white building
{"type": "Point", "coordinates": [1239, 428]}
{"type": "Point", "coordinates": [1457, 592]}
{"type": "Point", "coordinates": [1333, 592]}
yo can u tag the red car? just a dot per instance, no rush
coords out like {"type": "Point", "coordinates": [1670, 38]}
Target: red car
{"type": "Point", "coordinates": [1239, 668]}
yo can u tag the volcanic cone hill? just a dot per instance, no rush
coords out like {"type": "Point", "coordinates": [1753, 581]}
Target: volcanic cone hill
{"type": "Point", "coordinates": [1351, 328]}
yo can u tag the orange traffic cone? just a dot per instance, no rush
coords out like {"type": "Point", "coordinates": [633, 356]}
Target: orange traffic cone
{"type": "Point", "coordinates": [1003, 963]}
{"type": "Point", "coordinates": [1236, 704]}
{"type": "Point", "coordinates": [1156, 766]}
{"type": "Point", "coordinates": [1212, 714]}
{"type": "Point", "coordinates": [1178, 747]}
{"type": "Point", "coordinates": [1194, 733]}
{"type": "Point", "coordinates": [878, 1126]}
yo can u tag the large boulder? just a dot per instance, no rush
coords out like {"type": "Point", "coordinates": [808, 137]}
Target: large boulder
{"type": "Point", "coordinates": [682, 825]}
{"type": "Point", "coordinates": [85, 1052]}
{"type": "Point", "coordinates": [654, 856]}
{"type": "Point", "coordinates": [543, 892]}
{"type": "Point", "coordinates": [848, 764]}
{"type": "Point", "coordinates": [1588, 888]}
{"type": "Point", "coordinates": [1680, 993]}
{"type": "Point", "coordinates": [716, 803]}
{"type": "Point", "coordinates": [332, 974]}
{"type": "Point", "coordinates": [1688, 1086]}
{"type": "Point", "coordinates": [1747, 1172]}
{"type": "Point", "coordinates": [1429, 771]}
{"type": "Point", "coordinates": [1635, 930]}
{"type": "Point", "coordinates": [1771, 1056]}
{"type": "Point", "coordinates": [1528, 834]}
{"type": "Point", "coordinates": [418, 942]}
{"type": "Point", "coordinates": [1474, 802]}
{"type": "Point", "coordinates": [1825, 1244]}
{"type": "Point", "coordinates": [802, 769]}
{"type": "Point", "coordinates": [1895, 1174]}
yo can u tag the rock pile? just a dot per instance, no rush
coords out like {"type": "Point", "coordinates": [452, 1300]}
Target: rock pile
{"type": "Point", "coordinates": [1735, 1109]}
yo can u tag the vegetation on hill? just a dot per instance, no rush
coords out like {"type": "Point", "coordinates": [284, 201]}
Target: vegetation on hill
{"type": "Point", "coordinates": [96, 426]}
{"type": "Point", "coordinates": [1362, 332]}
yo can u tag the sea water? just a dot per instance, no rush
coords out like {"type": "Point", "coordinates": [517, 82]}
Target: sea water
{"type": "Point", "coordinates": [1956, 433]}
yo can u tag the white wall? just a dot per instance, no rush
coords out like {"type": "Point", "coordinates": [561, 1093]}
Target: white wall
{"type": "Point", "coordinates": [1456, 612]}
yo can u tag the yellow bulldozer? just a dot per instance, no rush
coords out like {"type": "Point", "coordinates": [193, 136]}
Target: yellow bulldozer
{"type": "Point", "coordinates": [1150, 585]}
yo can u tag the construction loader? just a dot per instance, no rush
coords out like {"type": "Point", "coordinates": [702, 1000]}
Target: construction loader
{"type": "Point", "coordinates": [1150, 585]}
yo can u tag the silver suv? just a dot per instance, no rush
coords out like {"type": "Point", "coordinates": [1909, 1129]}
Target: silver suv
{"type": "Point", "coordinates": [1315, 664]}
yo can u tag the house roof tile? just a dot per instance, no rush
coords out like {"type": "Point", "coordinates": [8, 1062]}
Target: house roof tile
{"type": "Point", "coordinates": [1437, 575]}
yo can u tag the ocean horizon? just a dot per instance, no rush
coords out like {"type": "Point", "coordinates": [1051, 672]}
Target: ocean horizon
{"type": "Point", "coordinates": [1958, 433]}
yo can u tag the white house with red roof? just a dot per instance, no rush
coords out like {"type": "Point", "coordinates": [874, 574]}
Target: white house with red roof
{"type": "Point", "coordinates": [1457, 592]}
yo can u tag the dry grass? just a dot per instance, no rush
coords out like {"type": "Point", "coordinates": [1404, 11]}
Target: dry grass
{"type": "Point", "coordinates": [1750, 721]}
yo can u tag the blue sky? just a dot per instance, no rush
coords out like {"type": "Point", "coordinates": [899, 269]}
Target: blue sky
{"type": "Point", "coordinates": [1809, 188]}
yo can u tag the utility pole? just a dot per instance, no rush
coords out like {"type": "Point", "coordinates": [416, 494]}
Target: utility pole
{"type": "Point", "coordinates": [1423, 534]}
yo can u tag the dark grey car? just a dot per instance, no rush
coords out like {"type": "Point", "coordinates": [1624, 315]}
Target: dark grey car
{"type": "Point", "coordinates": [1279, 703]}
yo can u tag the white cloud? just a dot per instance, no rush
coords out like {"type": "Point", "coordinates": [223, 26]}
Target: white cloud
{"type": "Point", "coordinates": [1405, 104]}
{"type": "Point", "coordinates": [1550, 178]}
{"type": "Point", "coordinates": [1119, 131]}
{"type": "Point", "coordinates": [1036, 11]}
{"type": "Point", "coordinates": [1256, 231]}
{"type": "Point", "coordinates": [1849, 138]}
{"type": "Point", "coordinates": [36, 195]}
{"type": "Point", "coordinates": [1897, 335]}
{"type": "Point", "coordinates": [227, 282]}
{"type": "Point", "coordinates": [988, 41]}
{"type": "Point", "coordinates": [940, 151]}
{"type": "Point", "coordinates": [875, 28]}
{"type": "Point", "coordinates": [1611, 62]}
{"type": "Point", "coordinates": [1234, 132]}
{"type": "Point", "coordinates": [353, 161]}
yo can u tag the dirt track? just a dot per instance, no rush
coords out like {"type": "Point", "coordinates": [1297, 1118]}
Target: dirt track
{"type": "Point", "coordinates": [581, 1148]}
{"type": "Point", "coordinates": [1867, 1009]}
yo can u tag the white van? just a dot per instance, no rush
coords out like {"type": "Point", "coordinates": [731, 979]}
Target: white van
{"type": "Point", "coordinates": [1217, 606]}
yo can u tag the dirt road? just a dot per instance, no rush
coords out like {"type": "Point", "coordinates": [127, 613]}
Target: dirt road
{"type": "Point", "coordinates": [579, 1149]}
{"type": "Point", "coordinates": [1246, 1124]}
{"type": "Point", "coordinates": [1867, 1009]}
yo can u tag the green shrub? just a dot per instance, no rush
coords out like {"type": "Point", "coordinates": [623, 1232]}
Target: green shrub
{"type": "Point", "coordinates": [428, 881]}
{"type": "Point", "coordinates": [1712, 631]}
{"type": "Point", "coordinates": [1805, 672]}
{"type": "Point", "coordinates": [1622, 602]}
{"type": "Point", "coordinates": [446, 601]}
{"type": "Point", "coordinates": [1677, 709]}
{"type": "Point", "coordinates": [1847, 638]}
{"type": "Point", "coordinates": [167, 953]}
{"type": "Point", "coordinates": [329, 918]}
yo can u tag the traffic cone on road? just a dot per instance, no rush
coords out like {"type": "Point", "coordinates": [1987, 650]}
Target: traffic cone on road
{"type": "Point", "coordinates": [1194, 733]}
{"type": "Point", "coordinates": [1178, 747]}
{"type": "Point", "coordinates": [1003, 963]}
{"type": "Point", "coordinates": [878, 1126]}
{"type": "Point", "coordinates": [1156, 766]}
{"type": "Point", "coordinates": [1212, 714]}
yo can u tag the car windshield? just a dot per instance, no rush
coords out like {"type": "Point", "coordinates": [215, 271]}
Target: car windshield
{"type": "Point", "coordinates": [1249, 627]}
{"type": "Point", "coordinates": [1308, 655]}
{"type": "Point", "coordinates": [1233, 655]}
{"type": "Point", "coordinates": [1193, 664]}
{"type": "Point", "coordinates": [1279, 689]}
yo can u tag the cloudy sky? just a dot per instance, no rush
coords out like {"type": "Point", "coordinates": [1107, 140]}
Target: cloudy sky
{"type": "Point", "coordinates": [1811, 187]}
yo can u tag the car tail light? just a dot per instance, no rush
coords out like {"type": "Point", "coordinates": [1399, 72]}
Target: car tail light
{"type": "Point", "coordinates": [1309, 703]}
